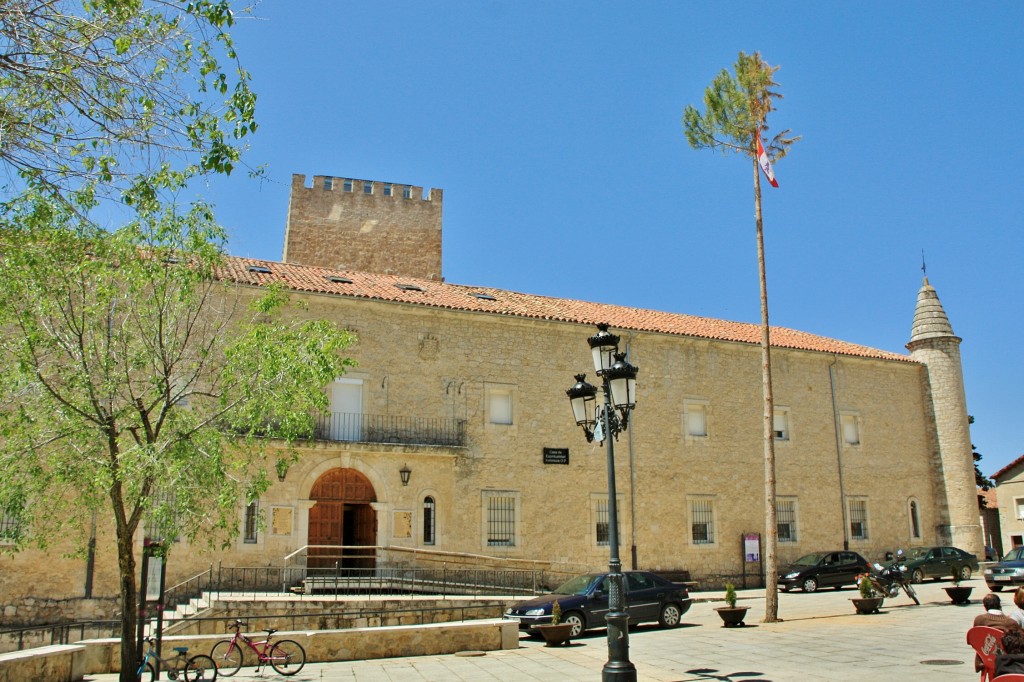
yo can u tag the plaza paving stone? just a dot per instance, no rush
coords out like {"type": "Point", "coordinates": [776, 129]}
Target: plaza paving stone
{"type": "Point", "coordinates": [820, 638]}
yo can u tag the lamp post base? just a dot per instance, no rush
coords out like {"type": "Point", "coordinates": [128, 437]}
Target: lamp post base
{"type": "Point", "coordinates": [618, 671]}
{"type": "Point", "coordinates": [618, 667]}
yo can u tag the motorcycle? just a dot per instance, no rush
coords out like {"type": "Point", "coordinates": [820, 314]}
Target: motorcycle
{"type": "Point", "coordinates": [888, 580]}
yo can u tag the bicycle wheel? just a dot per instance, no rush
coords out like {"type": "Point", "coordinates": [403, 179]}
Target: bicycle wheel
{"type": "Point", "coordinates": [147, 673]}
{"type": "Point", "coordinates": [200, 668]}
{"type": "Point", "coordinates": [287, 657]}
{"type": "Point", "coordinates": [228, 657]}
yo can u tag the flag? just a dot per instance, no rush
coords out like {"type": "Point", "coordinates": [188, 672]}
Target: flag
{"type": "Point", "coordinates": [764, 162]}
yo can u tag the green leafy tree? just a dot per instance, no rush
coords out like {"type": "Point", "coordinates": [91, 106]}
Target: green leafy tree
{"type": "Point", "coordinates": [736, 115]}
{"type": "Point", "coordinates": [141, 385]}
{"type": "Point", "coordinates": [980, 479]}
{"type": "Point", "coordinates": [119, 99]}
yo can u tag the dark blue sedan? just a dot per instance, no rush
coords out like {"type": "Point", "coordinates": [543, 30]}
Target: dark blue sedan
{"type": "Point", "coordinates": [584, 602]}
{"type": "Point", "coordinates": [1009, 572]}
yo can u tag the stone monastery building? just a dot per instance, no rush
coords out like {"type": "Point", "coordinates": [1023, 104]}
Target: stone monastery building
{"type": "Point", "coordinates": [452, 440]}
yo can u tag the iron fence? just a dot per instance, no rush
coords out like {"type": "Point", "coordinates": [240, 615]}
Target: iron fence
{"type": "Point", "coordinates": [386, 428]}
{"type": "Point", "coordinates": [17, 639]}
{"type": "Point", "coordinates": [342, 580]}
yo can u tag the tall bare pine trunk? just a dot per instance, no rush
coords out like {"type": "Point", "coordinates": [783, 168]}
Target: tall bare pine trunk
{"type": "Point", "coordinates": [771, 596]}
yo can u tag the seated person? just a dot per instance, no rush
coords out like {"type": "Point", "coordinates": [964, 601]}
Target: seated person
{"type": "Point", "coordinates": [1018, 613]}
{"type": "Point", "coordinates": [993, 618]}
{"type": "Point", "coordinates": [1011, 658]}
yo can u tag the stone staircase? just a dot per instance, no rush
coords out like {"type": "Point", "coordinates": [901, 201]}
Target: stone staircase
{"type": "Point", "coordinates": [197, 606]}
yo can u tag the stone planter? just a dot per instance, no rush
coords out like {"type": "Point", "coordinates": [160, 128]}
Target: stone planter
{"type": "Point", "coordinates": [869, 605]}
{"type": "Point", "coordinates": [555, 635]}
{"type": "Point", "coordinates": [732, 616]}
{"type": "Point", "coordinates": [959, 594]}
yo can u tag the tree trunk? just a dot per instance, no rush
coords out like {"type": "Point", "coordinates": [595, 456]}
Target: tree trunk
{"type": "Point", "coordinates": [771, 570]}
{"type": "Point", "coordinates": [129, 607]}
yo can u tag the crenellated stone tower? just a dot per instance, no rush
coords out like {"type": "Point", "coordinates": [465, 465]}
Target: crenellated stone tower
{"type": "Point", "coordinates": [364, 225]}
{"type": "Point", "coordinates": [933, 343]}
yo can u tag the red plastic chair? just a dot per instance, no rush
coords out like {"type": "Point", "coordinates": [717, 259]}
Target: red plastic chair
{"type": "Point", "coordinates": [987, 642]}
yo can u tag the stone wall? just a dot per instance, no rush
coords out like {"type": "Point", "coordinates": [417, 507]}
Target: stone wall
{"type": "Point", "coordinates": [439, 363]}
{"type": "Point", "coordinates": [348, 224]}
{"type": "Point", "coordinates": [103, 656]}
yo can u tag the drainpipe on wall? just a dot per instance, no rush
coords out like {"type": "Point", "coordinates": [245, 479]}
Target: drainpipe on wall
{"type": "Point", "coordinates": [839, 451]}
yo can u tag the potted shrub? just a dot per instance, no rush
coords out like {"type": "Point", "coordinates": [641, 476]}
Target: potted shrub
{"type": "Point", "coordinates": [870, 601]}
{"type": "Point", "coordinates": [959, 594]}
{"type": "Point", "coordinates": [732, 615]}
{"type": "Point", "coordinates": [556, 632]}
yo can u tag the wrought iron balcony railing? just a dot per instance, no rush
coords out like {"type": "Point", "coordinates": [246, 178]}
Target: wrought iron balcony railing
{"type": "Point", "coordinates": [385, 428]}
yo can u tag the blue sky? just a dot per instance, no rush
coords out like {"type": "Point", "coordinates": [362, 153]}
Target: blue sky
{"type": "Point", "coordinates": [554, 129]}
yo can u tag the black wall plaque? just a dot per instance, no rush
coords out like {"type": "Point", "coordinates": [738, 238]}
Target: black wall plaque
{"type": "Point", "coordinates": [556, 455]}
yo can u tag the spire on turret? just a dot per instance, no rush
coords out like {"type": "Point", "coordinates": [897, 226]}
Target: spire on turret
{"type": "Point", "coordinates": [930, 321]}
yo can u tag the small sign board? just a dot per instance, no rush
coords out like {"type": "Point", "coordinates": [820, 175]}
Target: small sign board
{"type": "Point", "coordinates": [752, 547]}
{"type": "Point", "coordinates": [556, 455]}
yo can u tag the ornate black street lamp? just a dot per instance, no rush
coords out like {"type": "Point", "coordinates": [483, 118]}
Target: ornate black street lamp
{"type": "Point", "coordinates": [605, 423]}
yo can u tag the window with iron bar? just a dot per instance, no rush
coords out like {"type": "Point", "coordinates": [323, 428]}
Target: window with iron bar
{"type": "Point", "coordinates": [501, 520]}
{"type": "Point", "coordinates": [859, 519]}
{"type": "Point", "coordinates": [702, 521]}
{"type": "Point", "coordinates": [785, 520]}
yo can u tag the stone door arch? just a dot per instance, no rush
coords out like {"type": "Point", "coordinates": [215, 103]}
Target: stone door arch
{"type": "Point", "coordinates": [342, 521]}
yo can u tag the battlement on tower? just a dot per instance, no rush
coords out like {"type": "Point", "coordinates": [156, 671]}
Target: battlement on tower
{"type": "Point", "coordinates": [365, 225]}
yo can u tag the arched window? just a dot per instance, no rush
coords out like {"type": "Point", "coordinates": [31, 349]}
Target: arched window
{"type": "Point", "coordinates": [915, 521]}
{"type": "Point", "coordinates": [428, 520]}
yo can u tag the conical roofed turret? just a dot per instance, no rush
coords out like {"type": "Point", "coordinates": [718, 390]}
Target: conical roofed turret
{"type": "Point", "coordinates": [934, 345]}
{"type": "Point", "coordinates": [930, 321]}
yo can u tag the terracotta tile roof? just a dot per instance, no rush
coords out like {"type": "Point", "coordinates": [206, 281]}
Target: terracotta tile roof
{"type": "Point", "coordinates": [1002, 472]}
{"type": "Point", "coordinates": [436, 294]}
{"type": "Point", "coordinates": [991, 499]}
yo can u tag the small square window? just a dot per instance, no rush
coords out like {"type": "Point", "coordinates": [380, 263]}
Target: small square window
{"type": "Point", "coordinates": [328, 184]}
{"type": "Point", "coordinates": [367, 188]}
{"type": "Point", "coordinates": [347, 185]}
{"type": "Point", "coordinates": [1018, 508]}
{"type": "Point", "coordinates": [407, 192]}
{"type": "Point", "coordinates": [696, 420]}
{"type": "Point", "coordinates": [851, 429]}
{"type": "Point", "coordinates": [388, 190]}
{"type": "Point", "coordinates": [780, 424]}
{"type": "Point", "coordinates": [499, 406]}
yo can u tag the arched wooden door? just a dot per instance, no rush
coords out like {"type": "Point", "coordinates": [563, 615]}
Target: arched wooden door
{"type": "Point", "coordinates": [341, 516]}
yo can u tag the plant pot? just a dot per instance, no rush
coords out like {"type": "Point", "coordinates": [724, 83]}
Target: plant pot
{"type": "Point", "coordinates": [869, 605]}
{"type": "Point", "coordinates": [732, 616]}
{"type": "Point", "coordinates": [959, 594]}
{"type": "Point", "coordinates": [555, 635]}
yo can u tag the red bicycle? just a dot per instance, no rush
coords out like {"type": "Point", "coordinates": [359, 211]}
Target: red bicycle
{"type": "Point", "coordinates": [286, 656]}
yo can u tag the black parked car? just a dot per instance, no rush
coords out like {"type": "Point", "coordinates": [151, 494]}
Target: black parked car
{"type": "Point", "coordinates": [584, 602]}
{"type": "Point", "coordinates": [938, 562]}
{"type": "Point", "coordinates": [823, 569]}
{"type": "Point", "coordinates": [1008, 572]}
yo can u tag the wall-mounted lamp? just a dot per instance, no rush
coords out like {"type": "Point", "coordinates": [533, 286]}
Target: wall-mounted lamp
{"type": "Point", "coordinates": [405, 472]}
{"type": "Point", "coordinates": [282, 469]}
